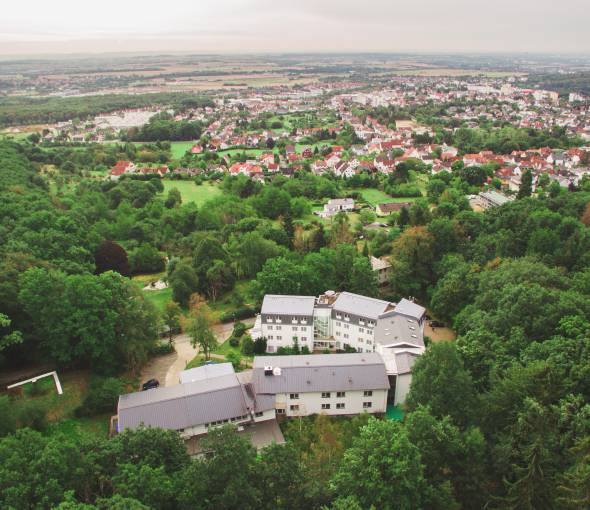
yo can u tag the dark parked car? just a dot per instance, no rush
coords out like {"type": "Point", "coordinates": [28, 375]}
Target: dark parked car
{"type": "Point", "coordinates": [148, 385]}
{"type": "Point", "coordinates": [437, 324]}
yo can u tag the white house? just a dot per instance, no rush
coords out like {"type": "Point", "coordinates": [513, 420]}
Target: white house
{"type": "Point", "coordinates": [336, 205]}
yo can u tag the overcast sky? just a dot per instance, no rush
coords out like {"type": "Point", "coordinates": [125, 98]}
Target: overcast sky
{"type": "Point", "coordinates": [74, 26]}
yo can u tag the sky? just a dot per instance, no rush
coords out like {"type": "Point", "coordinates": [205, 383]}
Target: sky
{"type": "Point", "coordinates": [268, 26]}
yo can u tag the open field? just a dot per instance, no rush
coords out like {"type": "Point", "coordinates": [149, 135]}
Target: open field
{"type": "Point", "coordinates": [190, 192]}
{"type": "Point", "coordinates": [159, 298]}
{"type": "Point", "coordinates": [375, 196]}
{"type": "Point", "coordinates": [179, 148]}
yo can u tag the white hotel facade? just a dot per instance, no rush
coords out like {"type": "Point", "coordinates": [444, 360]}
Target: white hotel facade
{"type": "Point", "coordinates": [337, 321]}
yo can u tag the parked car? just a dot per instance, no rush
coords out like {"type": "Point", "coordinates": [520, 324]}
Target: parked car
{"type": "Point", "coordinates": [437, 324]}
{"type": "Point", "coordinates": [148, 385]}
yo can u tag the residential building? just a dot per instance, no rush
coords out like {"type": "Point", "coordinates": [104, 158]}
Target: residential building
{"type": "Point", "coordinates": [345, 321]}
{"type": "Point", "coordinates": [390, 207]}
{"type": "Point", "coordinates": [121, 168]}
{"type": "Point", "coordinates": [492, 198]}
{"type": "Point", "coordinates": [336, 205]}
{"type": "Point", "coordinates": [382, 268]}
{"type": "Point", "coordinates": [209, 397]}
{"type": "Point", "coordinates": [333, 384]}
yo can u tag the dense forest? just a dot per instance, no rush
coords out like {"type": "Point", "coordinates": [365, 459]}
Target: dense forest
{"type": "Point", "coordinates": [21, 110]}
{"type": "Point", "coordinates": [500, 418]}
{"type": "Point", "coordinates": [564, 83]}
{"type": "Point", "coordinates": [162, 127]}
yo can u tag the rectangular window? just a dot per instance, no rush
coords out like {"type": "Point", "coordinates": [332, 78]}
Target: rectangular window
{"type": "Point", "coordinates": [341, 394]}
{"type": "Point", "coordinates": [258, 414]}
{"type": "Point", "coordinates": [368, 393]}
{"type": "Point", "coordinates": [325, 406]}
{"type": "Point", "coordinates": [346, 326]}
{"type": "Point", "coordinates": [360, 340]}
{"type": "Point", "coordinates": [367, 405]}
{"type": "Point", "coordinates": [304, 339]}
{"type": "Point", "coordinates": [345, 335]}
{"type": "Point", "coordinates": [326, 394]}
{"type": "Point", "coordinates": [294, 328]}
{"type": "Point", "coordinates": [279, 337]}
{"type": "Point", "coordinates": [295, 339]}
{"type": "Point", "coordinates": [340, 405]}
{"type": "Point", "coordinates": [278, 328]}
{"type": "Point", "coordinates": [294, 407]}
{"type": "Point", "coordinates": [269, 327]}
{"type": "Point", "coordinates": [280, 411]}
{"type": "Point", "coordinates": [303, 328]}
{"type": "Point", "coordinates": [294, 396]}
{"type": "Point", "coordinates": [361, 330]}
{"type": "Point", "coordinates": [270, 337]}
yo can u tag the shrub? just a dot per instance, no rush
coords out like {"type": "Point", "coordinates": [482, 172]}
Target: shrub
{"type": "Point", "coordinates": [241, 313]}
{"type": "Point", "coordinates": [33, 414]}
{"type": "Point", "coordinates": [101, 397]}
{"type": "Point", "coordinates": [234, 341]}
{"type": "Point", "coordinates": [162, 348]}
{"type": "Point", "coordinates": [7, 418]}
{"type": "Point", "coordinates": [239, 329]}
{"type": "Point", "coordinates": [247, 346]}
{"type": "Point", "coordinates": [41, 387]}
{"type": "Point", "coordinates": [260, 346]}
{"type": "Point", "coordinates": [235, 359]}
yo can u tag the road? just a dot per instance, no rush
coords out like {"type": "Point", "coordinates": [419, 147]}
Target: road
{"type": "Point", "coordinates": [166, 369]}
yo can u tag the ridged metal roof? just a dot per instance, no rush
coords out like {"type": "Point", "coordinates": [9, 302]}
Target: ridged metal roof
{"type": "Point", "coordinates": [323, 372]}
{"type": "Point", "coordinates": [188, 405]}
{"type": "Point", "coordinates": [362, 306]}
{"type": "Point", "coordinates": [287, 305]}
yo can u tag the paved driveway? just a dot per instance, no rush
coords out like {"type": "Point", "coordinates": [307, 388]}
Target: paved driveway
{"type": "Point", "coordinates": [167, 368]}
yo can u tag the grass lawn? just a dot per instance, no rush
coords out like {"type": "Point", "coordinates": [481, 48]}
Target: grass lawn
{"type": "Point", "coordinates": [158, 298]}
{"type": "Point", "coordinates": [375, 196]}
{"type": "Point", "coordinates": [225, 304]}
{"type": "Point", "coordinates": [178, 149]}
{"type": "Point", "coordinates": [190, 192]}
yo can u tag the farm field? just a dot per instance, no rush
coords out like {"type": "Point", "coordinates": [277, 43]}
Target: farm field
{"type": "Point", "coordinates": [190, 192]}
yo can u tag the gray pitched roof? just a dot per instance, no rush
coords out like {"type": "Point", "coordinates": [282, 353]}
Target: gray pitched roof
{"type": "Point", "coordinates": [287, 305]}
{"type": "Point", "coordinates": [406, 307]}
{"type": "Point", "coordinates": [206, 372]}
{"type": "Point", "coordinates": [363, 306]}
{"type": "Point", "coordinates": [188, 405]}
{"type": "Point", "coordinates": [320, 372]}
{"type": "Point", "coordinates": [397, 330]}
{"type": "Point", "coordinates": [495, 197]}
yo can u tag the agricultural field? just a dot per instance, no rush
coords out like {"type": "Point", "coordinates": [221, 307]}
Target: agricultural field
{"type": "Point", "coordinates": [191, 192]}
